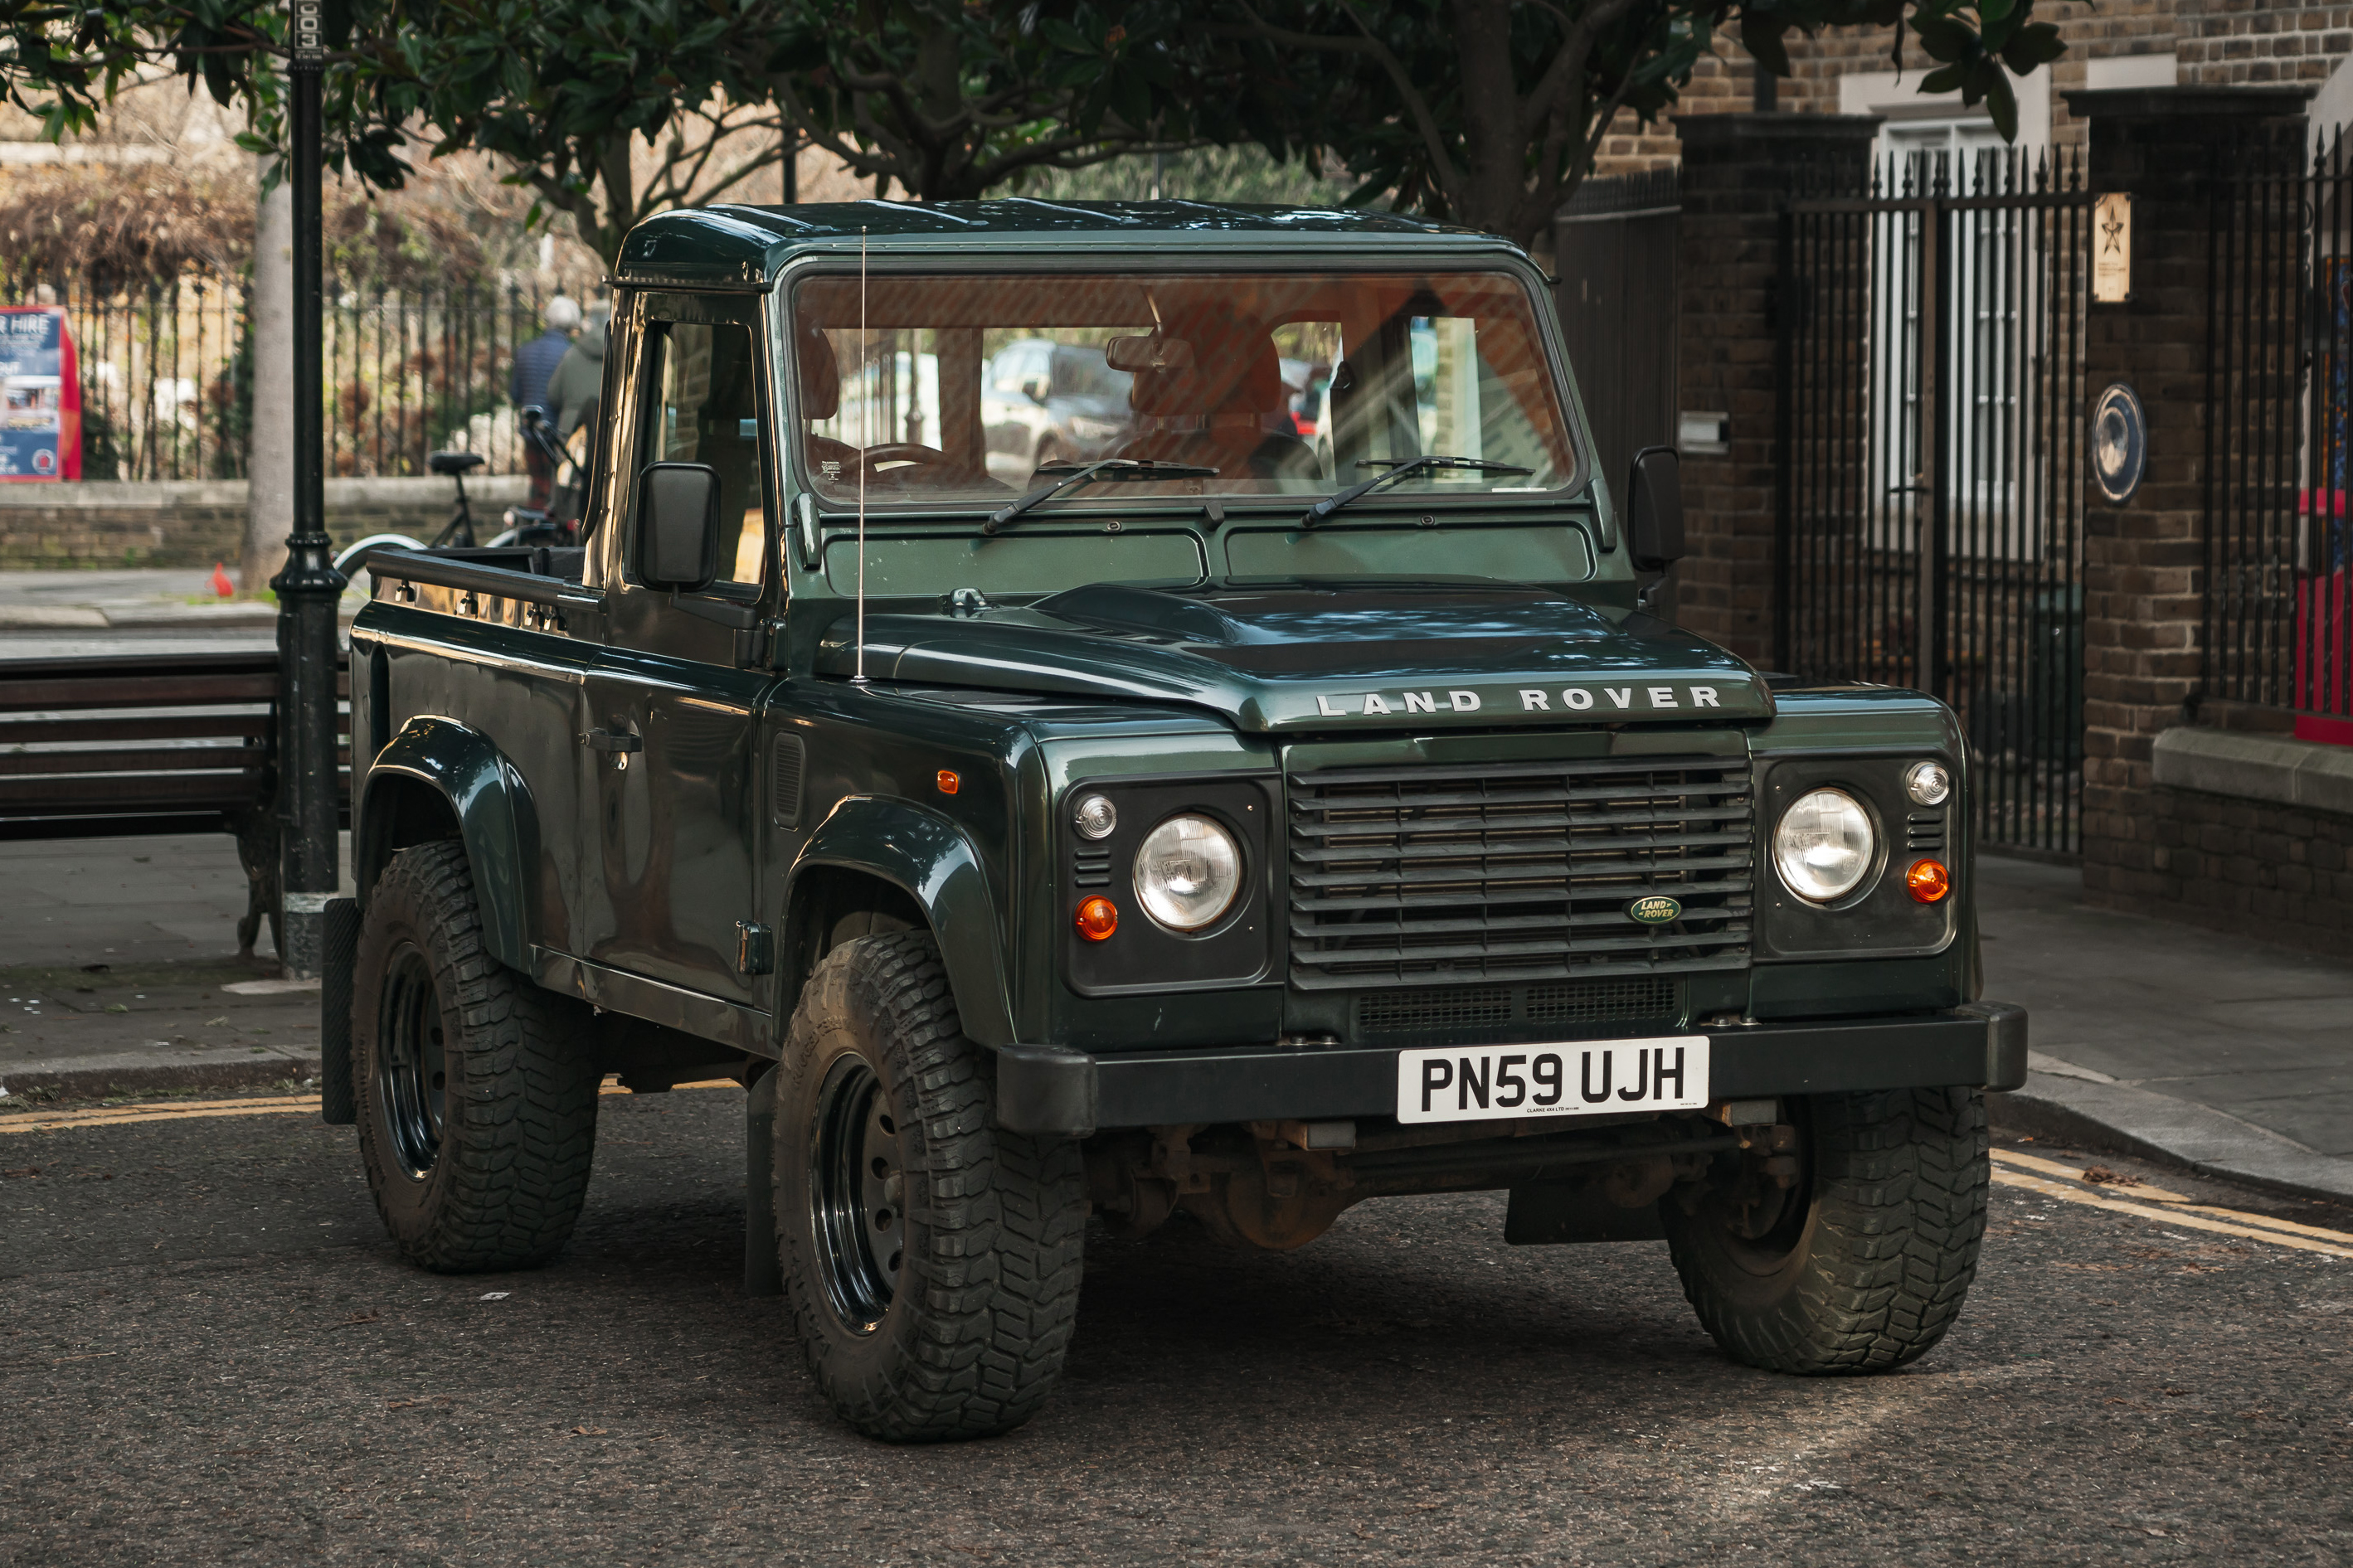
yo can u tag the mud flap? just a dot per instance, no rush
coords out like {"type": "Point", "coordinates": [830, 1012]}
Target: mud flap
{"type": "Point", "coordinates": [339, 940]}
{"type": "Point", "coordinates": [764, 1274]}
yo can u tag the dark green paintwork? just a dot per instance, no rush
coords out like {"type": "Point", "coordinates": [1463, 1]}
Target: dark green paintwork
{"type": "Point", "coordinates": [738, 245]}
{"type": "Point", "coordinates": [933, 860]}
{"type": "Point", "coordinates": [494, 818]}
{"type": "Point", "coordinates": [627, 886]}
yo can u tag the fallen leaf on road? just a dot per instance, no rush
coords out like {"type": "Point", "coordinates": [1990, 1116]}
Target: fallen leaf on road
{"type": "Point", "coordinates": [215, 1023]}
{"type": "Point", "coordinates": [599, 1432]}
{"type": "Point", "coordinates": [2101, 1176]}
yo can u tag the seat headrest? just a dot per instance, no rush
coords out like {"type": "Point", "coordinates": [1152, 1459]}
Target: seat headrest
{"type": "Point", "coordinates": [820, 375]}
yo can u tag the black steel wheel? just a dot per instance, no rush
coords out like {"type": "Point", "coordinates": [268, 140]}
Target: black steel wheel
{"type": "Point", "coordinates": [1862, 1264]}
{"type": "Point", "coordinates": [857, 1189]}
{"type": "Point", "coordinates": [931, 1257]}
{"type": "Point", "coordinates": [412, 1071]}
{"type": "Point", "coordinates": [477, 1088]}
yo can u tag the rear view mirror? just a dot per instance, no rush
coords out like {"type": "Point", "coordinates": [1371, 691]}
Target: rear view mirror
{"type": "Point", "coordinates": [1153, 352]}
{"type": "Point", "coordinates": [677, 526]}
{"type": "Point", "coordinates": [1654, 510]}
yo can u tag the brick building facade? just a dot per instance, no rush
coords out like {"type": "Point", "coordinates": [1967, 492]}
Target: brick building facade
{"type": "Point", "coordinates": [2200, 809]}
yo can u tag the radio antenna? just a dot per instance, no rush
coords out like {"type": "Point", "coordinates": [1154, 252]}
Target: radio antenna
{"type": "Point", "coordinates": [865, 439]}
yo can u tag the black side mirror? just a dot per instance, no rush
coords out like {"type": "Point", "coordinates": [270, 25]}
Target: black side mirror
{"type": "Point", "coordinates": [1654, 510]}
{"type": "Point", "coordinates": [677, 526]}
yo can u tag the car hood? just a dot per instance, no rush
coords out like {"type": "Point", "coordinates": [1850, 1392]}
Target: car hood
{"type": "Point", "coordinates": [1324, 654]}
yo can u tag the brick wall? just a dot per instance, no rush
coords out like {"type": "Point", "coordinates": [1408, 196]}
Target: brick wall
{"type": "Point", "coordinates": [2240, 865]}
{"type": "Point", "coordinates": [196, 523]}
{"type": "Point", "coordinates": [1734, 170]}
{"type": "Point", "coordinates": [2261, 870]}
{"type": "Point", "coordinates": [2217, 43]}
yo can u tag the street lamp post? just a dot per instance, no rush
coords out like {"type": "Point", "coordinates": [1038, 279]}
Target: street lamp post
{"type": "Point", "coordinates": [309, 588]}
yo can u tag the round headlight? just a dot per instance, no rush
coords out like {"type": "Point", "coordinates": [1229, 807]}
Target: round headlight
{"type": "Point", "coordinates": [1928, 783]}
{"type": "Point", "coordinates": [1095, 817]}
{"type": "Point", "coordinates": [1823, 845]}
{"type": "Point", "coordinates": [1188, 871]}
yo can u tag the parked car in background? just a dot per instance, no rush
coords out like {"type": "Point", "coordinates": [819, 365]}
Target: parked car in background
{"type": "Point", "coordinates": [1048, 402]}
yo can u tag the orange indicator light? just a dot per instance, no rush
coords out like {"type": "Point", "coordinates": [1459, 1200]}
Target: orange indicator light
{"type": "Point", "coordinates": [1098, 918]}
{"type": "Point", "coordinates": [948, 782]}
{"type": "Point", "coordinates": [1928, 881]}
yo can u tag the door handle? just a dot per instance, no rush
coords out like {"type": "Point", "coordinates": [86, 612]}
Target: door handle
{"type": "Point", "coordinates": [619, 743]}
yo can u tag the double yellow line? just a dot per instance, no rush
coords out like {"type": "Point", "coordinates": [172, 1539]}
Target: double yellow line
{"type": "Point", "coordinates": [171, 1110]}
{"type": "Point", "coordinates": [196, 1109]}
{"type": "Point", "coordinates": [2013, 1169]}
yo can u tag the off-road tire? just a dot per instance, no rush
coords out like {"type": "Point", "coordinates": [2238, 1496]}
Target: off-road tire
{"type": "Point", "coordinates": [979, 1310]}
{"type": "Point", "coordinates": [517, 1128]}
{"type": "Point", "coordinates": [1871, 1272]}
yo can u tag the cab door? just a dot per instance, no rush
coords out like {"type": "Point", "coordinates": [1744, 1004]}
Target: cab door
{"type": "Point", "coordinates": [674, 697]}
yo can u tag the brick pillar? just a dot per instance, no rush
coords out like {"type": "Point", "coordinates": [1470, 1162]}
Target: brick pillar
{"type": "Point", "coordinates": [2143, 562]}
{"type": "Point", "coordinates": [1738, 172]}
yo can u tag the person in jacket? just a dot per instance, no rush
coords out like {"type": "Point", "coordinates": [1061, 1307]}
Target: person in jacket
{"type": "Point", "coordinates": [581, 374]}
{"type": "Point", "coordinates": [535, 364]}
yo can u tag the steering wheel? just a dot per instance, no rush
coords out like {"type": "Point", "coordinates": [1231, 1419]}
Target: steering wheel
{"type": "Point", "coordinates": [904, 452]}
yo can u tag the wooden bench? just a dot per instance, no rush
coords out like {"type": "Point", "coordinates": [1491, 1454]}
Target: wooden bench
{"type": "Point", "coordinates": [134, 743]}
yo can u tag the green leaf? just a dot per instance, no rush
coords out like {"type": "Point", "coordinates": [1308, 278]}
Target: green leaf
{"type": "Point", "coordinates": [2003, 104]}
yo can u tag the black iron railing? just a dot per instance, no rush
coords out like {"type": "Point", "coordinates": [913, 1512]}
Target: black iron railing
{"type": "Point", "coordinates": [166, 372]}
{"type": "Point", "coordinates": [2279, 441]}
{"type": "Point", "coordinates": [1931, 460]}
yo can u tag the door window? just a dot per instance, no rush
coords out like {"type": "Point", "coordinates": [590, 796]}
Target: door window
{"type": "Point", "coordinates": [706, 411]}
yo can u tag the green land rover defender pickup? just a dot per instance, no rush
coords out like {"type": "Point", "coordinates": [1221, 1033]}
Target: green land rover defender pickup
{"type": "Point", "coordinates": [1096, 712]}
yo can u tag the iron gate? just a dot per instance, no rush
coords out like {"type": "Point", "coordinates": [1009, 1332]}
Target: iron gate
{"type": "Point", "coordinates": [2279, 442]}
{"type": "Point", "coordinates": [1929, 505]}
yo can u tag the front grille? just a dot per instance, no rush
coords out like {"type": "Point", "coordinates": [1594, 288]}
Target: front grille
{"type": "Point", "coordinates": [1633, 998]}
{"type": "Point", "coordinates": [1513, 871]}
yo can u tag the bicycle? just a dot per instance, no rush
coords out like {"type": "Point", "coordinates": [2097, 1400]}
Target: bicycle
{"type": "Point", "coordinates": [525, 525]}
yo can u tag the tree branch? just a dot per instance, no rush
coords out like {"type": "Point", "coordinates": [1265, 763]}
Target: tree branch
{"type": "Point", "coordinates": [1449, 178]}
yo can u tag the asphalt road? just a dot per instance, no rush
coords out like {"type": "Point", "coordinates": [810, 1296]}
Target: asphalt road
{"type": "Point", "coordinates": [208, 1355]}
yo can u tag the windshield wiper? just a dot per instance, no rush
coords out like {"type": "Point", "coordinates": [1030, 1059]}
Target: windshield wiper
{"type": "Point", "coordinates": [1127, 469]}
{"type": "Point", "coordinates": [1409, 466]}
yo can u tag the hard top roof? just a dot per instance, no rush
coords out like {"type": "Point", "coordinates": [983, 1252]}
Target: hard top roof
{"type": "Point", "coordinates": [744, 245]}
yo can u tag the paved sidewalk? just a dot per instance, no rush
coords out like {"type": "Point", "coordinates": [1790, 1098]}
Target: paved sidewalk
{"type": "Point", "coordinates": [2158, 1038]}
{"type": "Point", "coordinates": [153, 599]}
{"type": "Point", "coordinates": [119, 973]}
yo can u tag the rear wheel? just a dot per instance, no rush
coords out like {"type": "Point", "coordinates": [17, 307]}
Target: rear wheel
{"type": "Point", "coordinates": [931, 1258]}
{"type": "Point", "coordinates": [477, 1095]}
{"type": "Point", "coordinates": [1863, 1262]}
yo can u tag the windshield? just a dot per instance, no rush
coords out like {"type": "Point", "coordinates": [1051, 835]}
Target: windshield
{"type": "Point", "coordinates": [963, 387]}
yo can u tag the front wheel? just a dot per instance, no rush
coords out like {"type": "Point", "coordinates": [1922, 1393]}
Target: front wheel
{"type": "Point", "coordinates": [931, 1258]}
{"type": "Point", "coordinates": [1861, 1262]}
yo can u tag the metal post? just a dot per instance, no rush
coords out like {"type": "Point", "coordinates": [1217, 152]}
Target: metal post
{"type": "Point", "coordinates": [310, 587]}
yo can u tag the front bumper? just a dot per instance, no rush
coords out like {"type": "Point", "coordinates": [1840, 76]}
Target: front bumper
{"type": "Point", "coordinates": [1051, 1089]}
